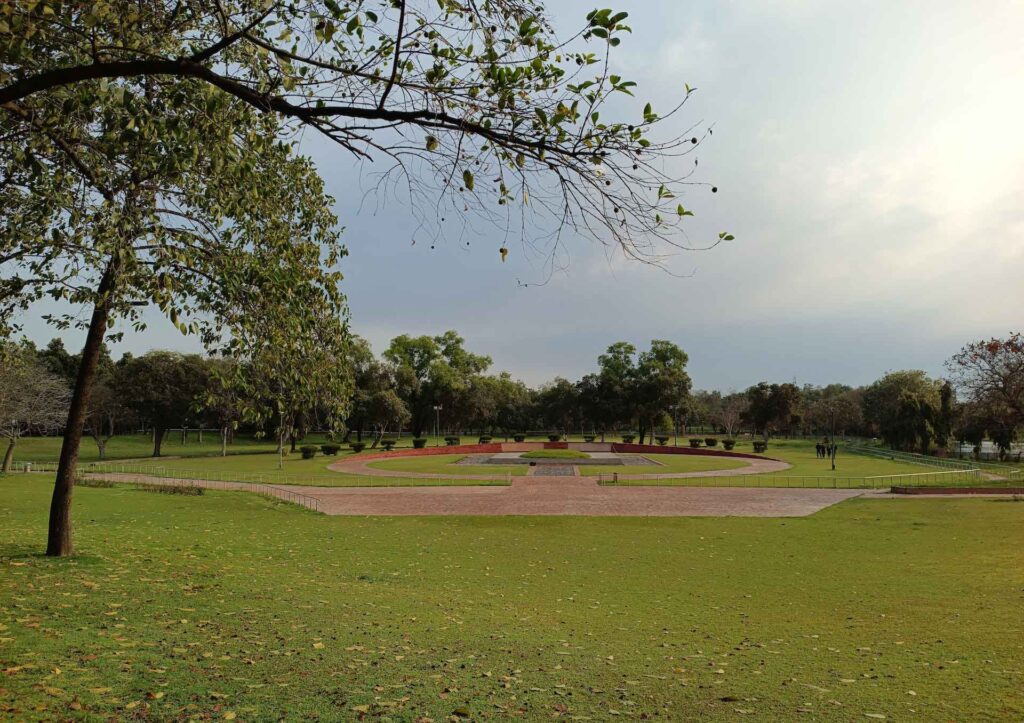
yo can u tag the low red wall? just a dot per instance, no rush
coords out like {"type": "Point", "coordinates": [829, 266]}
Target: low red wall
{"type": "Point", "coordinates": [958, 490]}
{"type": "Point", "coordinates": [698, 451]}
{"type": "Point", "coordinates": [556, 445]}
{"type": "Point", "coordinates": [458, 449]}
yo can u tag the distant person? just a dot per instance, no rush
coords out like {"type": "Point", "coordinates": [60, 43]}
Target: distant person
{"type": "Point", "coordinates": [818, 450]}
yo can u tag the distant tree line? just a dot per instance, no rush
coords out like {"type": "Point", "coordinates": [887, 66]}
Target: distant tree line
{"type": "Point", "coordinates": [422, 381]}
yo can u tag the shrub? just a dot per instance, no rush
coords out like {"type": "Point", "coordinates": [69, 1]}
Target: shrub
{"type": "Point", "coordinates": [485, 439]}
{"type": "Point", "coordinates": [419, 442]}
{"type": "Point", "coordinates": [728, 443]}
{"type": "Point", "coordinates": [93, 482]}
{"type": "Point", "coordinates": [711, 441]}
{"type": "Point", "coordinates": [695, 441]}
{"type": "Point", "coordinates": [519, 437]}
{"type": "Point", "coordinates": [452, 441]}
{"type": "Point", "coordinates": [389, 444]}
{"type": "Point", "coordinates": [760, 447]}
{"type": "Point", "coordinates": [330, 449]}
{"type": "Point", "coordinates": [554, 437]}
{"type": "Point", "coordinates": [588, 438]}
{"type": "Point", "coordinates": [183, 489]}
{"type": "Point", "coordinates": [628, 438]}
{"type": "Point", "coordinates": [308, 451]}
{"type": "Point", "coordinates": [662, 440]}
{"type": "Point", "coordinates": [358, 447]}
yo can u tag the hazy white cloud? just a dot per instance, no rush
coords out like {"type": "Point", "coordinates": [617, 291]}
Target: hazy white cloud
{"type": "Point", "coordinates": [869, 157]}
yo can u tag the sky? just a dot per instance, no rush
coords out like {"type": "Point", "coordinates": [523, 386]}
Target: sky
{"type": "Point", "coordinates": [870, 162]}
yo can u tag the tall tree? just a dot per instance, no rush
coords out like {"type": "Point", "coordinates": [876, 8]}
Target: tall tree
{"type": "Point", "coordinates": [730, 412]}
{"type": "Point", "coordinates": [433, 371]}
{"type": "Point", "coordinates": [990, 376]}
{"type": "Point", "coordinates": [617, 382]}
{"type": "Point", "coordinates": [901, 407]}
{"type": "Point", "coordinates": [662, 385]}
{"type": "Point", "coordinates": [147, 159]}
{"type": "Point", "coordinates": [32, 398]}
{"type": "Point", "coordinates": [163, 388]}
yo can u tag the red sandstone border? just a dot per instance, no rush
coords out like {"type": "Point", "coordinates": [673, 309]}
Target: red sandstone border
{"type": "Point", "coordinates": [618, 448]}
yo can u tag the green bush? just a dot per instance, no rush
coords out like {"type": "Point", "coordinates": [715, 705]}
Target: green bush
{"type": "Point", "coordinates": [452, 441]}
{"type": "Point", "coordinates": [419, 442]}
{"type": "Point", "coordinates": [358, 447]}
{"type": "Point", "coordinates": [662, 440]}
{"type": "Point", "coordinates": [330, 449]}
{"type": "Point", "coordinates": [519, 437]}
{"type": "Point", "coordinates": [308, 451]}
{"type": "Point", "coordinates": [760, 447]}
{"type": "Point", "coordinates": [389, 444]}
{"type": "Point", "coordinates": [696, 442]}
{"type": "Point", "coordinates": [628, 438]}
{"type": "Point", "coordinates": [711, 441]}
{"type": "Point", "coordinates": [728, 443]}
{"type": "Point", "coordinates": [554, 437]}
{"type": "Point", "coordinates": [485, 439]}
{"type": "Point", "coordinates": [589, 438]}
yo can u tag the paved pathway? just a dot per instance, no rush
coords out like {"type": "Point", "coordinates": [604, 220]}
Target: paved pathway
{"type": "Point", "coordinates": [547, 496]}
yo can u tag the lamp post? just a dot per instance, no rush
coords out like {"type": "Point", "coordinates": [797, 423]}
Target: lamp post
{"type": "Point", "coordinates": [832, 408]}
{"type": "Point", "coordinates": [437, 424]}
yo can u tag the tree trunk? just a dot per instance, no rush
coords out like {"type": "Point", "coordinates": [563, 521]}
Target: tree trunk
{"type": "Point", "coordinates": [9, 454]}
{"type": "Point", "coordinates": [224, 442]}
{"type": "Point", "coordinates": [101, 445]}
{"type": "Point", "coordinates": [292, 438]}
{"type": "Point", "coordinates": [59, 534]}
{"type": "Point", "coordinates": [200, 434]}
{"type": "Point", "coordinates": [158, 440]}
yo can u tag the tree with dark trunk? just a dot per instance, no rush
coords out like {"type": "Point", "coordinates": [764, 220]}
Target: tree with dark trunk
{"type": "Point", "coordinates": [196, 202]}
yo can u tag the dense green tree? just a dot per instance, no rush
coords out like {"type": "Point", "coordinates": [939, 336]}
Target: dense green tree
{"type": "Point", "coordinates": [662, 385]}
{"type": "Point", "coordinates": [433, 371]}
{"type": "Point", "coordinates": [375, 403]}
{"type": "Point", "coordinates": [559, 404]}
{"type": "Point", "coordinates": [163, 388]}
{"type": "Point", "coordinates": [901, 408]}
{"type": "Point", "coordinates": [773, 407]}
{"type": "Point", "coordinates": [617, 383]}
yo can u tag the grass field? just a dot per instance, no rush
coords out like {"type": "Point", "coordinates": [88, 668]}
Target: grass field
{"type": "Point", "coordinates": [446, 464]}
{"type": "Point", "coordinates": [250, 458]}
{"type": "Point", "coordinates": [233, 606]}
{"type": "Point", "coordinates": [669, 463]}
{"type": "Point", "coordinates": [555, 454]}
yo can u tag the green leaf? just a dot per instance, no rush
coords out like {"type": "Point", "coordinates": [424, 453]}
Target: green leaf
{"type": "Point", "coordinates": [467, 178]}
{"type": "Point", "coordinates": [432, 143]}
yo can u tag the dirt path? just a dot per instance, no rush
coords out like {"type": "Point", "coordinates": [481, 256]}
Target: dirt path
{"type": "Point", "coordinates": [542, 496]}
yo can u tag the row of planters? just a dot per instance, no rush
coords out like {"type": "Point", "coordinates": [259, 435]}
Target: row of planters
{"type": "Point", "coordinates": [310, 451]}
{"type": "Point", "coordinates": [695, 442]}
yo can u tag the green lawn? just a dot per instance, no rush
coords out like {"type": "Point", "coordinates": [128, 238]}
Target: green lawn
{"type": "Point", "coordinates": [445, 464]}
{"type": "Point", "coordinates": [230, 605]}
{"type": "Point", "coordinates": [47, 449]}
{"type": "Point", "coordinates": [669, 463]}
{"type": "Point", "coordinates": [555, 454]}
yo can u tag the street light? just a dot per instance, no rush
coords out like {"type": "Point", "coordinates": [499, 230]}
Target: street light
{"type": "Point", "coordinates": [437, 424]}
